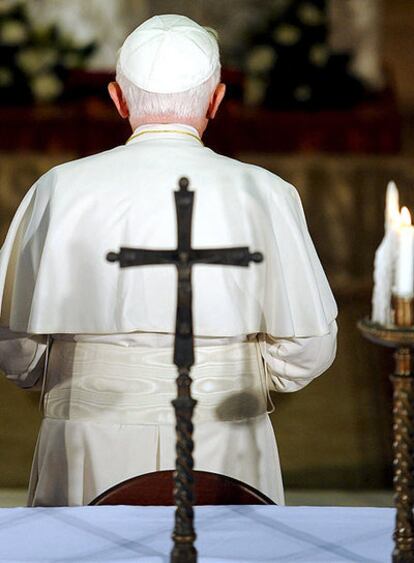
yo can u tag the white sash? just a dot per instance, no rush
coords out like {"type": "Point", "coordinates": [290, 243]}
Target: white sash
{"type": "Point", "coordinates": [135, 385]}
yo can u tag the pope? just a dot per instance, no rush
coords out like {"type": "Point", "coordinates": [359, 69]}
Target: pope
{"type": "Point", "coordinates": [98, 340]}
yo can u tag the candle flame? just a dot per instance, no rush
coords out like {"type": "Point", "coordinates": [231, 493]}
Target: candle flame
{"type": "Point", "coordinates": [405, 217]}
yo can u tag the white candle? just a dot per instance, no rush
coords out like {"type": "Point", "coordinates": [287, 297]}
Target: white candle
{"type": "Point", "coordinates": [384, 264]}
{"type": "Point", "coordinates": [392, 207]}
{"type": "Point", "coordinates": [404, 275]}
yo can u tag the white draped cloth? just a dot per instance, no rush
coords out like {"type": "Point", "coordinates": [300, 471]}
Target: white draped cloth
{"type": "Point", "coordinates": [110, 379]}
{"type": "Point", "coordinates": [225, 534]}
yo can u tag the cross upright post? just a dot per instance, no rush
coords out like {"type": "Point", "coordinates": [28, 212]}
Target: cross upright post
{"type": "Point", "coordinates": [184, 257]}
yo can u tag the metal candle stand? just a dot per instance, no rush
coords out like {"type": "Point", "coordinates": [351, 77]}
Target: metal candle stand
{"type": "Point", "coordinates": [400, 336]}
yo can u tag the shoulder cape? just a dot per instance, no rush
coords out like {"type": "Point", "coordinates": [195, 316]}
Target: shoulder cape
{"type": "Point", "coordinates": [54, 277]}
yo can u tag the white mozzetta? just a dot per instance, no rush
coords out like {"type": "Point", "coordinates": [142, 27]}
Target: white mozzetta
{"type": "Point", "coordinates": [54, 277]}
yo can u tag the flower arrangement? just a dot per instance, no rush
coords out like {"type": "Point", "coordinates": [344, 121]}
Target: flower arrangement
{"type": "Point", "coordinates": [34, 62]}
{"type": "Point", "coordinates": [290, 64]}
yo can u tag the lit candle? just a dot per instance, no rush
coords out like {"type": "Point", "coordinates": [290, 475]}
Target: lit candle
{"type": "Point", "coordinates": [384, 263]}
{"type": "Point", "coordinates": [404, 275]}
{"type": "Point", "coordinates": [392, 207]}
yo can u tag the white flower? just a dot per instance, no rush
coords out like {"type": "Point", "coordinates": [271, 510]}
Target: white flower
{"type": "Point", "coordinates": [46, 87]}
{"type": "Point", "coordinates": [13, 32]}
{"type": "Point", "coordinates": [310, 15]}
{"type": "Point", "coordinates": [286, 34]}
{"type": "Point", "coordinates": [254, 91]}
{"type": "Point", "coordinates": [302, 93]}
{"type": "Point", "coordinates": [319, 55]}
{"type": "Point", "coordinates": [261, 59]}
{"type": "Point", "coordinates": [34, 60]}
{"type": "Point", "coordinates": [6, 77]}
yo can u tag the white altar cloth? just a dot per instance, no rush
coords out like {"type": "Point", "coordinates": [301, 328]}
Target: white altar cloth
{"type": "Point", "coordinates": [242, 534]}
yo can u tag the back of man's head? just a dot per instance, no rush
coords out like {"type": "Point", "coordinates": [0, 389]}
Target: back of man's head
{"type": "Point", "coordinates": [169, 66]}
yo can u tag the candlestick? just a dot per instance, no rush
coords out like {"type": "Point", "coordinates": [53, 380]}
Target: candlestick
{"type": "Point", "coordinates": [403, 444]}
{"type": "Point", "coordinates": [404, 278]}
{"type": "Point", "coordinates": [403, 310]}
{"type": "Point", "coordinates": [395, 255]}
{"type": "Point", "coordinates": [400, 336]}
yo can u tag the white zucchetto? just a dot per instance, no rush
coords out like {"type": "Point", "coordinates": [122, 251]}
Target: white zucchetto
{"type": "Point", "coordinates": [169, 54]}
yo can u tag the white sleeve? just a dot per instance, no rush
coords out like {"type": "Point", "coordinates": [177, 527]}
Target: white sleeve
{"type": "Point", "coordinates": [292, 363]}
{"type": "Point", "coordinates": [22, 357]}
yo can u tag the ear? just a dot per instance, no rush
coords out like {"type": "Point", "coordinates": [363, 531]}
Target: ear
{"type": "Point", "coordinates": [118, 98]}
{"type": "Point", "coordinates": [216, 100]}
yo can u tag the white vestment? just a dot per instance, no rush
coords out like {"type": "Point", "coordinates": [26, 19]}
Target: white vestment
{"type": "Point", "coordinates": [110, 378]}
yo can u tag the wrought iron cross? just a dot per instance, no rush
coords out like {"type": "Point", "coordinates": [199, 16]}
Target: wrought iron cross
{"type": "Point", "coordinates": [184, 257]}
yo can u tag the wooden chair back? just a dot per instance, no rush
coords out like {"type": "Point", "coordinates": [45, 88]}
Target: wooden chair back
{"type": "Point", "coordinates": [156, 489]}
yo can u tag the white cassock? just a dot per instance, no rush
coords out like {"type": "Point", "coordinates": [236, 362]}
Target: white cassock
{"type": "Point", "coordinates": [110, 377]}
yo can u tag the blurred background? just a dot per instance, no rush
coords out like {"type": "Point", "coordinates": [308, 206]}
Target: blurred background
{"type": "Point", "coordinates": [319, 92]}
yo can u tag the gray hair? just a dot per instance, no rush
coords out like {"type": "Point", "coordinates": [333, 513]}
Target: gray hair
{"type": "Point", "coordinates": [192, 103]}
